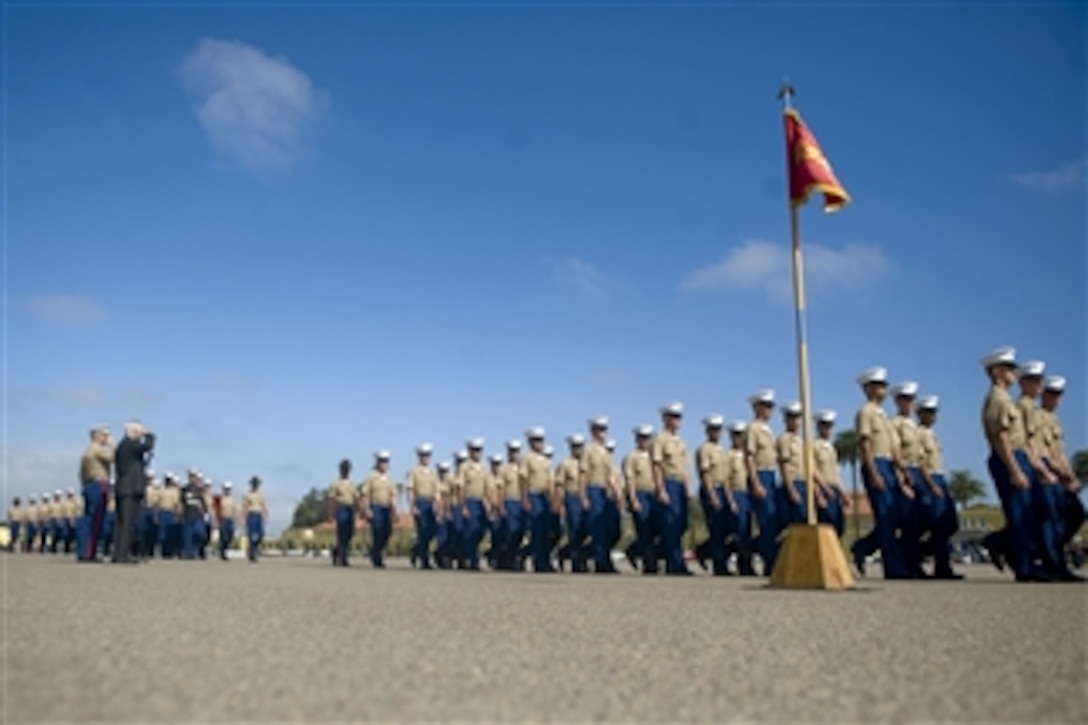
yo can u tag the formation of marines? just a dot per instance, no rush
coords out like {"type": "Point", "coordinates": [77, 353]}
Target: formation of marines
{"type": "Point", "coordinates": [541, 514]}
{"type": "Point", "coordinates": [175, 520]}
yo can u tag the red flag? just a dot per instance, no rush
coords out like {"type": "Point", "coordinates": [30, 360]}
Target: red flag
{"type": "Point", "coordinates": [808, 168]}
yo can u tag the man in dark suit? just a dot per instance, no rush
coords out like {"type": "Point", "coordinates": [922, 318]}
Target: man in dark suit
{"type": "Point", "coordinates": [130, 461]}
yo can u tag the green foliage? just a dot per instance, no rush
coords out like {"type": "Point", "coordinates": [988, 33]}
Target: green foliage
{"type": "Point", "coordinates": [846, 445]}
{"type": "Point", "coordinates": [1080, 466]}
{"type": "Point", "coordinates": [312, 510]}
{"type": "Point", "coordinates": [964, 488]}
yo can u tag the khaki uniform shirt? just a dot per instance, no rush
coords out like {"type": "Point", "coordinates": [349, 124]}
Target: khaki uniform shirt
{"type": "Point", "coordinates": [711, 460]}
{"type": "Point", "coordinates": [736, 470]}
{"type": "Point", "coordinates": [253, 502]}
{"type": "Point", "coordinates": [228, 508]}
{"type": "Point", "coordinates": [759, 444]}
{"type": "Point", "coordinates": [906, 433]}
{"type": "Point", "coordinates": [95, 463]}
{"type": "Point", "coordinates": [671, 453]}
{"type": "Point", "coordinates": [1032, 416]}
{"type": "Point", "coordinates": [509, 480]}
{"type": "Point", "coordinates": [423, 482]}
{"type": "Point", "coordinates": [827, 461]}
{"type": "Point", "coordinates": [929, 447]}
{"type": "Point", "coordinates": [379, 488]}
{"type": "Point", "coordinates": [537, 472]}
{"type": "Point", "coordinates": [71, 508]}
{"type": "Point", "coordinates": [474, 477]}
{"type": "Point", "coordinates": [151, 497]}
{"type": "Point", "coordinates": [597, 464]}
{"type": "Point", "coordinates": [16, 515]}
{"type": "Point", "coordinates": [872, 425]}
{"type": "Point", "coordinates": [1051, 435]}
{"type": "Point", "coordinates": [32, 514]}
{"type": "Point", "coordinates": [169, 499]}
{"type": "Point", "coordinates": [567, 473]}
{"type": "Point", "coordinates": [342, 492]}
{"type": "Point", "coordinates": [639, 471]}
{"type": "Point", "coordinates": [1001, 414]}
{"type": "Point", "coordinates": [790, 455]}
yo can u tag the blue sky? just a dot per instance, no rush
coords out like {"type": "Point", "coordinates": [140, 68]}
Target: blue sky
{"type": "Point", "coordinates": [281, 236]}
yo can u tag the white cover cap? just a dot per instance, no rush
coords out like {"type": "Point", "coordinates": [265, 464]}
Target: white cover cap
{"type": "Point", "coordinates": [461, 455]}
{"type": "Point", "coordinates": [443, 466]}
{"type": "Point", "coordinates": [1000, 356]}
{"type": "Point", "coordinates": [713, 421]}
{"type": "Point", "coordinates": [792, 409]}
{"type": "Point", "coordinates": [610, 445]}
{"type": "Point", "coordinates": [1054, 384]}
{"type": "Point", "coordinates": [1032, 369]}
{"type": "Point", "coordinates": [907, 389]}
{"type": "Point", "coordinates": [927, 402]}
{"type": "Point", "coordinates": [475, 444]}
{"type": "Point", "coordinates": [738, 426]}
{"type": "Point", "coordinates": [227, 485]}
{"type": "Point", "coordinates": [549, 451]}
{"type": "Point", "coordinates": [535, 433]}
{"type": "Point", "coordinates": [382, 455]}
{"type": "Point", "coordinates": [766, 396]}
{"type": "Point", "coordinates": [576, 439]}
{"type": "Point", "coordinates": [496, 458]}
{"type": "Point", "coordinates": [874, 374]}
{"type": "Point", "coordinates": [600, 421]}
{"type": "Point", "coordinates": [513, 444]}
{"type": "Point", "coordinates": [826, 416]}
{"type": "Point", "coordinates": [644, 430]}
{"type": "Point", "coordinates": [424, 449]}
{"type": "Point", "coordinates": [673, 408]}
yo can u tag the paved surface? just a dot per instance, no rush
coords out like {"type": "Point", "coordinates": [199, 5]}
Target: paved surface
{"type": "Point", "coordinates": [296, 640]}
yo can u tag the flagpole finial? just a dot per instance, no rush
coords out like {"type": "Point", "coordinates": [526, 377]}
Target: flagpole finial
{"type": "Point", "coordinates": [786, 92]}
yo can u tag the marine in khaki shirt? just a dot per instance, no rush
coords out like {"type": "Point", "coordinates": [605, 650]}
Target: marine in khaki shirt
{"type": "Point", "coordinates": [826, 460]}
{"type": "Point", "coordinates": [378, 488]}
{"type": "Point", "coordinates": [536, 470]}
{"type": "Point", "coordinates": [169, 498]}
{"type": "Point", "coordinates": [736, 466]}
{"type": "Point", "coordinates": [97, 458]}
{"type": "Point", "coordinates": [1002, 419]}
{"type": "Point", "coordinates": [904, 431]}
{"type": "Point", "coordinates": [32, 514]}
{"type": "Point", "coordinates": [253, 502]}
{"type": "Point", "coordinates": [228, 508]}
{"type": "Point", "coordinates": [16, 512]}
{"type": "Point", "coordinates": [790, 452]}
{"type": "Point", "coordinates": [510, 473]}
{"type": "Point", "coordinates": [930, 458]}
{"type": "Point", "coordinates": [710, 463]}
{"type": "Point", "coordinates": [422, 482]}
{"type": "Point", "coordinates": [473, 479]}
{"type": "Point", "coordinates": [1031, 386]}
{"type": "Point", "coordinates": [638, 469]}
{"type": "Point", "coordinates": [342, 492]}
{"type": "Point", "coordinates": [568, 474]}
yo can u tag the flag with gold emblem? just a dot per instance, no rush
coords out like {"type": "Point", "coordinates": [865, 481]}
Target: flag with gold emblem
{"type": "Point", "coordinates": [808, 168]}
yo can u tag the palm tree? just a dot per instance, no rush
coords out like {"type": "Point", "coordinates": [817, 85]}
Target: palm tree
{"type": "Point", "coordinates": [849, 452]}
{"type": "Point", "coordinates": [964, 488]}
{"type": "Point", "coordinates": [1080, 466]}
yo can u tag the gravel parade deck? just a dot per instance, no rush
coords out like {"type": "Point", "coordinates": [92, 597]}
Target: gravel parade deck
{"type": "Point", "coordinates": [297, 640]}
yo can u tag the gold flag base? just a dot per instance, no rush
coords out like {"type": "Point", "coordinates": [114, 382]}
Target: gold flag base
{"type": "Point", "coordinates": [811, 557]}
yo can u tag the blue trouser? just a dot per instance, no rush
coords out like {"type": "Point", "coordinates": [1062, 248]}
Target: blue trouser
{"type": "Point", "coordinates": [540, 526]}
{"type": "Point", "coordinates": [90, 523]}
{"type": "Point", "coordinates": [381, 526]}
{"type": "Point", "coordinates": [1047, 502]}
{"type": "Point", "coordinates": [16, 529]}
{"type": "Point", "coordinates": [882, 536]}
{"type": "Point", "coordinates": [612, 525]}
{"type": "Point", "coordinates": [767, 519]}
{"type": "Point", "coordinates": [167, 537]}
{"type": "Point", "coordinates": [1016, 503]}
{"type": "Point", "coordinates": [442, 539]}
{"type": "Point", "coordinates": [907, 521]}
{"type": "Point", "coordinates": [598, 525]}
{"type": "Point", "coordinates": [672, 523]}
{"type": "Point", "coordinates": [31, 533]}
{"type": "Point", "coordinates": [646, 521]}
{"type": "Point", "coordinates": [254, 533]}
{"type": "Point", "coordinates": [345, 529]}
{"type": "Point", "coordinates": [53, 531]}
{"type": "Point", "coordinates": [474, 530]}
{"type": "Point", "coordinates": [515, 531]}
{"type": "Point", "coordinates": [109, 522]}
{"type": "Point", "coordinates": [740, 526]}
{"type": "Point", "coordinates": [425, 531]}
{"type": "Point", "coordinates": [832, 514]}
{"type": "Point", "coordinates": [226, 536]}
{"type": "Point", "coordinates": [457, 533]}
{"type": "Point", "coordinates": [191, 531]}
{"type": "Point", "coordinates": [1073, 516]}
{"type": "Point", "coordinates": [145, 522]}
{"type": "Point", "coordinates": [943, 523]}
{"type": "Point", "coordinates": [790, 512]}
{"type": "Point", "coordinates": [717, 526]}
{"type": "Point", "coordinates": [576, 517]}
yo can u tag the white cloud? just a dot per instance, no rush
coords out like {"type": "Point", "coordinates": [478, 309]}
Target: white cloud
{"type": "Point", "coordinates": [69, 310]}
{"type": "Point", "coordinates": [764, 266]}
{"type": "Point", "coordinates": [582, 276]}
{"type": "Point", "coordinates": [38, 470]}
{"type": "Point", "coordinates": [255, 108]}
{"type": "Point", "coordinates": [1065, 177]}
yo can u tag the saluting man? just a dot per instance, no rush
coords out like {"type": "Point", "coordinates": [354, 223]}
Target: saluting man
{"type": "Point", "coordinates": [877, 441]}
{"type": "Point", "coordinates": [1009, 462]}
{"type": "Point", "coordinates": [793, 494]}
{"type": "Point", "coordinates": [943, 520]}
{"type": "Point", "coordinates": [761, 459]}
{"type": "Point", "coordinates": [537, 492]}
{"type": "Point", "coordinates": [474, 488]}
{"type": "Point", "coordinates": [255, 511]}
{"type": "Point", "coordinates": [671, 465]}
{"type": "Point", "coordinates": [831, 500]}
{"type": "Point", "coordinates": [422, 485]}
{"type": "Point", "coordinates": [378, 494]}
{"type": "Point", "coordinates": [343, 500]}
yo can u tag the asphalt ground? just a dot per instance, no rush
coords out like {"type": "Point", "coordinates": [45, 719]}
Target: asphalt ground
{"type": "Point", "coordinates": [298, 640]}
